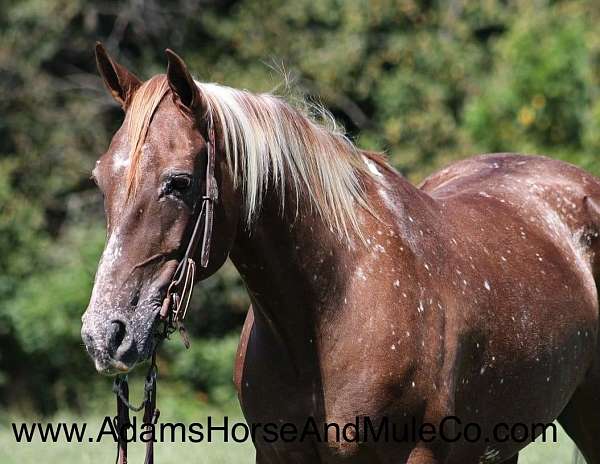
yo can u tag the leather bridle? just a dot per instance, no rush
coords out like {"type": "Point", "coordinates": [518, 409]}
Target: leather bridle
{"type": "Point", "coordinates": [173, 310]}
{"type": "Point", "coordinates": [179, 292]}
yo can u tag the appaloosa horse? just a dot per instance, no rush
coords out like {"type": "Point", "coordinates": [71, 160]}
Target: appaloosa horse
{"type": "Point", "coordinates": [472, 296]}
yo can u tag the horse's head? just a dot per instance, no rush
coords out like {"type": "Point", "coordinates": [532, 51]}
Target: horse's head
{"type": "Point", "coordinates": [152, 178]}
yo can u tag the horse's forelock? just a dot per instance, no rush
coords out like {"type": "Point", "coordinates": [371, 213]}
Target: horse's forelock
{"type": "Point", "coordinates": [143, 105]}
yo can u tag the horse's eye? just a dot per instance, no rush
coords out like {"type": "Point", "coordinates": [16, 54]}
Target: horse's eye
{"type": "Point", "coordinates": [181, 182]}
{"type": "Point", "coordinates": [178, 184]}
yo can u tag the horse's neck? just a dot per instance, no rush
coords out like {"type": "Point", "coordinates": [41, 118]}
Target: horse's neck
{"type": "Point", "coordinates": [296, 270]}
{"type": "Point", "coordinates": [289, 265]}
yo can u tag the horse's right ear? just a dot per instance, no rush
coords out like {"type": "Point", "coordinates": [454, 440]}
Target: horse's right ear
{"type": "Point", "coordinates": [119, 81]}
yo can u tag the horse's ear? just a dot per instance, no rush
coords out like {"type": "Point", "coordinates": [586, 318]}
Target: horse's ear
{"type": "Point", "coordinates": [118, 80]}
{"type": "Point", "coordinates": [185, 91]}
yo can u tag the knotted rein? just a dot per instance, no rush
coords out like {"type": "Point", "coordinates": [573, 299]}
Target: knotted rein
{"type": "Point", "coordinates": [172, 313]}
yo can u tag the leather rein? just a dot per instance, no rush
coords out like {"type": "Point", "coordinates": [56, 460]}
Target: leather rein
{"type": "Point", "coordinates": [172, 312]}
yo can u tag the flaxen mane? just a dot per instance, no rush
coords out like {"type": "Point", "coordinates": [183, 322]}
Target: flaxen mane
{"type": "Point", "coordinates": [269, 141]}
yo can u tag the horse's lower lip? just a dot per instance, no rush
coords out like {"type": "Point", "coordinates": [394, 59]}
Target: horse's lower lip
{"type": "Point", "coordinates": [114, 368]}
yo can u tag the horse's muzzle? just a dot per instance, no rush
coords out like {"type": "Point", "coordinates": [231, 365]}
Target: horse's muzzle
{"type": "Point", "coordinates": [111, 345]}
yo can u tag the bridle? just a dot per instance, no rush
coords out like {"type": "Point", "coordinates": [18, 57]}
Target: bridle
{"type": "Point", "coordinates": [179, 292]}
{"type": "Point", "coordinates": [172, 312]}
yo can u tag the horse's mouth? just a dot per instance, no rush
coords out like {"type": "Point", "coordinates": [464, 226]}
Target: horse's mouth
{"type": "Point", "coordinates": [110, 362]}
{"type": "Point", "coordinates": [118, 342]}
{"type": "Point", "coordinates": [114, 368]}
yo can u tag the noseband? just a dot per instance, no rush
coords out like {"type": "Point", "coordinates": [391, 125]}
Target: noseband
{"type": "Point", "coordinates": [172, 312]}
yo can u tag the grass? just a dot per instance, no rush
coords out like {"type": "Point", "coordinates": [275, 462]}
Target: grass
{"type": "Point", "coordinates": [35, 452]}
{"type": "Point", "coordinates": [561, 452]}
{"type": "Point", "coordinates": [12, 452]}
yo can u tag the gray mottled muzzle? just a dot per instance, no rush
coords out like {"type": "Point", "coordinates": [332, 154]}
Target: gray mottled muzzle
{"type": "Point", "coordinates": [119, 324]}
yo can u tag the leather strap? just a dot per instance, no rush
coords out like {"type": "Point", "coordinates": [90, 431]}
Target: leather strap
{"type": "Point", "coordinates": [212, 195]}
{"type": "Point", "coordinates": [179, 292]}
{"type": "Point", "coordinates": [122, 420]}
{"type": "Point", "coordinates": [173, 310]}
{"type": "Point", "coordinates": [151, 413]}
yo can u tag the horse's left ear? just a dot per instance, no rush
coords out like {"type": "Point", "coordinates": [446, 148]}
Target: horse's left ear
{"type": "Point", "coordinates": [185, 91]}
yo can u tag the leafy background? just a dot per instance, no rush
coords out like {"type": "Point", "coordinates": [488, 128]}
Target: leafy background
{"type": "Point", "coordinates": [428, 82]}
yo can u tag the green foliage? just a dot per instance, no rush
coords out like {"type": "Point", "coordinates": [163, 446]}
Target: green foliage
{"type": "Point", "coordinates": [428, 82]}
{"type": "Point", "coordinates": [539, 91]}
{"type": "Point", "coordinates": [207, 366]}
{"type": "Point", "coordinates": [43, 311]}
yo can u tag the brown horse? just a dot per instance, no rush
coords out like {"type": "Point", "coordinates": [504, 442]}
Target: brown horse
{"type": "Point", "coordinates": [472, 297]}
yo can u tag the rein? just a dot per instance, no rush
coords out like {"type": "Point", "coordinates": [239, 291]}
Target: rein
{"type": "Point", "coordinates": [173, 311]}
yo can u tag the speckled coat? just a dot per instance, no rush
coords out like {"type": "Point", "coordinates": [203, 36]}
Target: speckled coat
{"type": "Point", "coordinates": [472, 296]}
{"type": "Point", "coordinates": [475, 297]}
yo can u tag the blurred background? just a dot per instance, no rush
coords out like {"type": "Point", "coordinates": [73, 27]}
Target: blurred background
{"type": "Point", "coordinates": [426, 82]}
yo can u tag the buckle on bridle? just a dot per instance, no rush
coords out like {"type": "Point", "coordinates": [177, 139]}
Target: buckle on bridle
{"type": "Point", "coordinates": [176, 303]}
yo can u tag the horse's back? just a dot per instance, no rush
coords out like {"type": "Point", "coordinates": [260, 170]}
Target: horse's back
{"type": "Point", "coordinates": [540, 200]}
{"type": "Point", "coordinates": [540, 213]}
{"type": "Point", "coordinates": [506, 172]}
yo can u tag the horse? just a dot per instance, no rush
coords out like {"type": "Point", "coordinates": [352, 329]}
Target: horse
{"type": "Point", "coordinates": [469, 299]}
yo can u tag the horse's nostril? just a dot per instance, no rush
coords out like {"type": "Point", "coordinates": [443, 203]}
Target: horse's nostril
{"type": "Point", "coordinates": [117, 335]}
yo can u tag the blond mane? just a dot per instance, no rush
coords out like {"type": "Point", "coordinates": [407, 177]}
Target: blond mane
{"type": "Point", "coordinates": [269, 142]}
